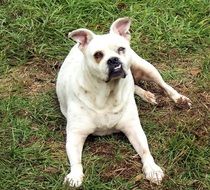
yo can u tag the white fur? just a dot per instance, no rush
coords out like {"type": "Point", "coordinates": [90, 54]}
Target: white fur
{"type": "Point", "coordinates": [93, 106]}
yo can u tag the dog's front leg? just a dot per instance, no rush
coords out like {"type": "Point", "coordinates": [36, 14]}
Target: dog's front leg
{"type": "Point", "coordinates": [143, 70]}
{"type": "Point", "coordinates": [74, 145]}
{"type": "Point", "coordinates": [133, 130]}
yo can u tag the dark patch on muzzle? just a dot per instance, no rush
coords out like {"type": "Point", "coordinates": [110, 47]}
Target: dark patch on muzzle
{"type": "Point", "coordinates": [115, 69]}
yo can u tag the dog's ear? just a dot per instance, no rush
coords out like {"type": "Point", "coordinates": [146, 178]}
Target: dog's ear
{"type": "Point", "coordinates": [82, 36]}
{"type": "Point", "coordinates": [121, 27]}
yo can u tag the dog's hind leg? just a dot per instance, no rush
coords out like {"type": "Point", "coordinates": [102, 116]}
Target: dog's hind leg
{"type": "Point", "coordinates": [143, 70]}
{"type": "Point", "coordinates": [145, 95]}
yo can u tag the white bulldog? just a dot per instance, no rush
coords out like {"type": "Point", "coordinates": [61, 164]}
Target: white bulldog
{"type": "Point", "coordinates": [95, 88]}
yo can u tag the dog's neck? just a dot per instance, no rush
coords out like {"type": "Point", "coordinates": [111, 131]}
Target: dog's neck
{"type": "Point", "coordinates": [103, 94]}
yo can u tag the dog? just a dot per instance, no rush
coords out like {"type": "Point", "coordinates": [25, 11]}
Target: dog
{"type": "Point", "coordinates": [95, 88]}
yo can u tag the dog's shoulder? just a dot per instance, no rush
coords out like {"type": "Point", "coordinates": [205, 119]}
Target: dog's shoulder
{"type": "Point", "coordinates": [74, 58]}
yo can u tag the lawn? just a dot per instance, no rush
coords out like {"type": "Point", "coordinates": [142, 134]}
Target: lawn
{"type": "Point", "coordinates": [173, 35]}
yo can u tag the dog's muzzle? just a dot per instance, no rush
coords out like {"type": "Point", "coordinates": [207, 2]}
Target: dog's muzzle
{"type": "Point", "coordinates": [115, 69]}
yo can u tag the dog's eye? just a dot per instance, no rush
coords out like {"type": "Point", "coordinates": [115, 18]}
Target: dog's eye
{"type": "Point", "coordinates": [121, 50]}
{"type": "Point", "coordinates": [98, 56]}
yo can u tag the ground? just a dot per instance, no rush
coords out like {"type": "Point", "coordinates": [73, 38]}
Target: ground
{"type": "Point", "coordinates": [172, 35]}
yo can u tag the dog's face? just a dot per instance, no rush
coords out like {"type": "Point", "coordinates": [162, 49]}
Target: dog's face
{"type": "Point", "coordinates": [106, 56]}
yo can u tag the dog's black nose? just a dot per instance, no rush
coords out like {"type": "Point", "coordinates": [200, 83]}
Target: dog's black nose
{"type": "Point", "coordinates": [115, 69]}
{"type": "Point", "coordinates": [114, 61]}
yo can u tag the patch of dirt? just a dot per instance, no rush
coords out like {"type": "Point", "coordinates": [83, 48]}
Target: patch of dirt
{"type": "Point", "coordinates": [29, 142]}
{"type": "Point", "coordinates": [201, 131]}
{"type": "Point", "coordinates": [152, 87]}
{"type": "Point", "coordinates": [105, 149]}
{"type": "Point", "coordinates": [146, 185]}
{"type": "Point", "coordinates": [182, 104]}
{"type": "Point", "coordinates": [127, 168]}
{"type": "Point", "coordinates": [122, 6]}
{"type": "Point", "coordinates": [52, 170]}
{"type": "Point", "coordinates": [32, 78]}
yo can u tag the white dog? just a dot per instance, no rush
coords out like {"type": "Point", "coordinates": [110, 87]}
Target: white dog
{"type": "Point", "coordinates": [95, 88]}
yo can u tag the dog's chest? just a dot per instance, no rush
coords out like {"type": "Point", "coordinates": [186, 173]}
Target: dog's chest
{"type": "Point", "coordinates": [106, 122]}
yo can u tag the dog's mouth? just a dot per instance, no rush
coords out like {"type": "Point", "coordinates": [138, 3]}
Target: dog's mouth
{"type": "Point", "coordinates": [116, 72]}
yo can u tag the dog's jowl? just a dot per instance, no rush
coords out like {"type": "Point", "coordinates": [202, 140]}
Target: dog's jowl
{"type": "Point", "coordinates": [95, 88]}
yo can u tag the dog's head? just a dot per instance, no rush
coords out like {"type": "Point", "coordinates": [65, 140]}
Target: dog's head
{"type": "Point", "coordinates": [106, 56]}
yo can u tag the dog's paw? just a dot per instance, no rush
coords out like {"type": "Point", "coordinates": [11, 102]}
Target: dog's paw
{"type": "Point", "coordinates": [74, 179]}
{"type": "Point", "coordinates": [182, 101]}
{"type": "Point", "coordinates": [153, 173]}
{"type": "Point", "coordinates": [149, 97]}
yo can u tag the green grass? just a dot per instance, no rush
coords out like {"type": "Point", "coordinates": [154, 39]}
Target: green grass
{"type": "Point", "coordinates": [173, 35]}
